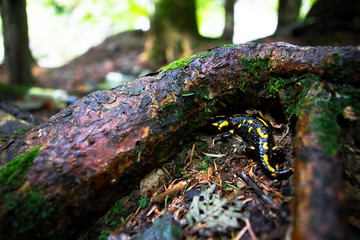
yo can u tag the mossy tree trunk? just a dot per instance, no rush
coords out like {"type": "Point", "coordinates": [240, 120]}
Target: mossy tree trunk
{"type": "Point", "coordinates": [16, 41]}
{"type": "Point", "coordinates": [172, 32]}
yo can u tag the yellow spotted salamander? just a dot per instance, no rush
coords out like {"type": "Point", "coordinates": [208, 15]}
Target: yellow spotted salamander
{"type": "Point", "coordinates": [256, 132]}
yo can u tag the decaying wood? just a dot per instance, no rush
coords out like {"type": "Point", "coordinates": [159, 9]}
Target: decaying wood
{"type": "Point", "coordinates": [319, 211]}
{"type": "Point", "coordinates": [98, 147]}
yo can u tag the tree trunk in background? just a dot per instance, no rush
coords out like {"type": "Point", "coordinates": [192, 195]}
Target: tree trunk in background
{"type": "Point", "coordinates": [173, 29]}
{"type": "Point", "coordinates": [16, 41]}
{"type": "Point", "coordinates": [339, 11]}
{"type": "Point", "coordinates": [288, 12]}
{"type": "Point", "coordinates": [229, 21]}
{"type": "Point", "coordinates": [331, 23]}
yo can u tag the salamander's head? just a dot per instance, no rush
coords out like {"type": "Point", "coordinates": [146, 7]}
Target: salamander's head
{"type": "Point", "coordinates": [219, 124]}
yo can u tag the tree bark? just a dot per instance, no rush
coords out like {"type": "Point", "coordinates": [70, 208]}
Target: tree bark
{"type": "Point", "coordinates": [98, 147]}
{"type": "Point", "coordinates": [16, 41]}
{"type": "Point", "coordinates": [320, 199]}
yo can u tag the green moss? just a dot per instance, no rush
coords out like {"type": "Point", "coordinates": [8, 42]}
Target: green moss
{"type": "Point", "coordinates": [254, 69]}
{"type": "Point", "coordinates": [167, 105]}
{"type": "Point", "coordinates": [338, 67]}
{"type": "Point", "coordinates": [228, 45]}
{"type": "Point", "coordinates": [326, 122]}
{"type": "Point", "coordinates": [294, 94]}
{"type": "Point", "coordinates": [185, 61]}
{"type": "Point", "coordinates": [104, 234]}
{"type": "Point", "coordinates": [26, 213]}
{"type": "Point", "coordinates": [118, 207]}
{"type": "Point", "coordinates": [13, 173]}
{"type": "Point", "coordinates": [293, 91]}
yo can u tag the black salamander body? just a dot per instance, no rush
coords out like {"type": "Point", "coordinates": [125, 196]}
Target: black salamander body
{"type": "Point", "coordinates": [256, 132]}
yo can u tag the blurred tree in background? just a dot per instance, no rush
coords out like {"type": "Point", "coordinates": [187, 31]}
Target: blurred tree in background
{"type": "Point", "coordinates": [288, 12]}
{"type": "Point", "coordinates": [16, 41]}
{"type": "Point", "coordinates": [173, 29]}
{"type": "Point", "coordinates": [175, 26]}
{"type": "Point", "coordinates": [228, 32]}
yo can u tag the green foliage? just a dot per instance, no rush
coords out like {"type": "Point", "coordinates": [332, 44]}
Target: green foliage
{"type": "Point", "coordinates": [60, 7]}
{"type": "Point", "coordinates": [208, 158]}
{"type": "Point", "coordinates": [104, 234]}
{"type": "Point", "coordinates": [143, 202]}
{"type": "Point", "coordinates": [122, 15]}
{"type": "Point", "coordinates": [13, 174]}
{"type": "Point", "coordinates": [118, 207]}
{"type": "Point", "coordinates": [204, 165]}
{"type": "Point", "coordinates": [183, 62]}
{"type": "Point", "coordinates": [185, 175]}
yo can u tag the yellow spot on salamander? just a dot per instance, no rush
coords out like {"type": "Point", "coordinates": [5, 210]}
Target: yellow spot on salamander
{"type": "Point", "coordinates": [249, 129]}
{"type": "Point", "coordinates": [266, 160]}
{"type": "Point", "coordinates": [223, 124]}
{"type": "Point", "coordinates": [252, 147]}
{"type": "Point", "coordinates": [250, 121]}
{"type": "Point", "coordinates": [262, 121]}
{"type": "Point", "coordinates": [231, 131]}
{"type": "Point", "coordinates": [274, 148]}
{"type": "Point", "coordinates": [266, 146]}
{"type": "Point", "coordinates": [215, 124]}
{"type": "Point", "coordinates": [239, 126]}
{"type": "Point", "coordinates": [274, 174]}
{"type": "Point", "coordinates": [262, 134]}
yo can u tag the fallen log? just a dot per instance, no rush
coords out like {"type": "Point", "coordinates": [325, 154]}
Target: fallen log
{"type": "Point", "coordinates": [96, 149]}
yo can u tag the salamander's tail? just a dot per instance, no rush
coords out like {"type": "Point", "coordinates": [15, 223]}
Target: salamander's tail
{"type": "Point", "coordinates": [271, 171]}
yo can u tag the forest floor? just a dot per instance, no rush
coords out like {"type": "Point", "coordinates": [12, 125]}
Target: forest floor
{"type": "Point", "coordinates": [264, 204]}
{"type": "Point", "coordinates": [252, 205]}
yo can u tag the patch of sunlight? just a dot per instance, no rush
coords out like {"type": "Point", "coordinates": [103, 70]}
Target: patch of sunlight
{"type": "Point", "coordinates": [254, 19]}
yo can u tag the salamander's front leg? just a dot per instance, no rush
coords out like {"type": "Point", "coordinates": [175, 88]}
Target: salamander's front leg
{"type": "Point", "coordinates": [223, 136]}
